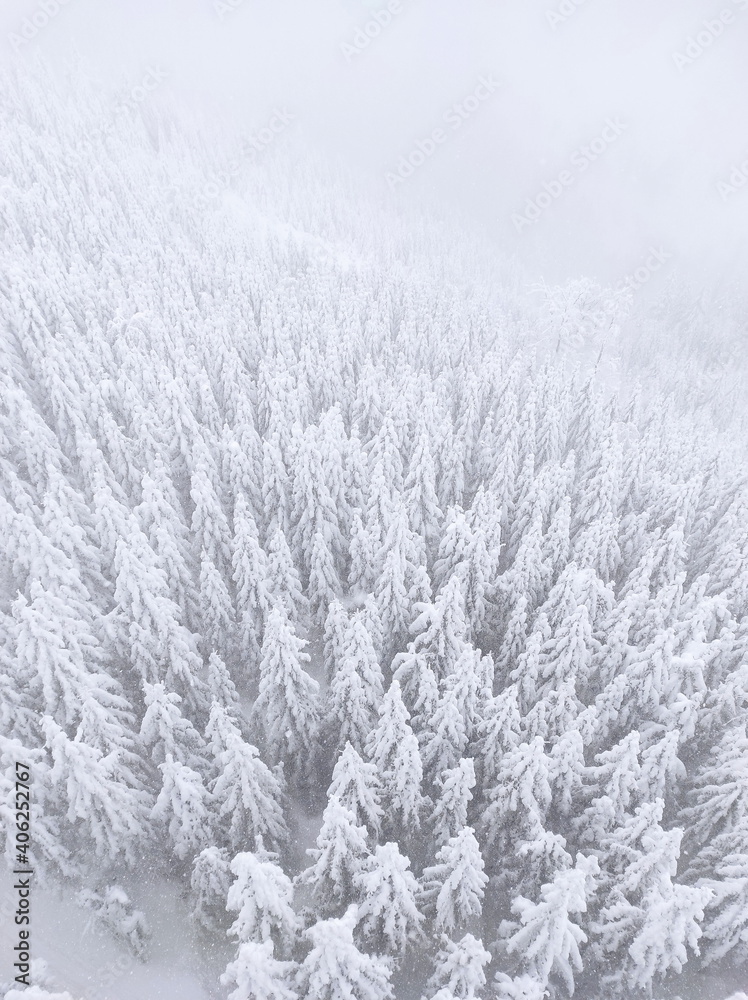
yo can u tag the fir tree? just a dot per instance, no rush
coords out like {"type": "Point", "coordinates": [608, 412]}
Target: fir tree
{"type": "Point", "coordinates": [335, 969]}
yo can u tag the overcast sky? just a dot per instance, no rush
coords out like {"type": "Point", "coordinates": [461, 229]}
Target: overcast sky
{"type": "Point", "coordinates": [664, 120]}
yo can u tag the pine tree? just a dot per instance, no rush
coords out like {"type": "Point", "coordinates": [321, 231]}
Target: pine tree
{"type": "Point", "coordinates": [251, 579]}
{"type": "Point", "coordinates": [498, 732]}
{"type": "Point", "coordinates": [547, 939]}
{"type": "Point", "coordinates": [335, 969]}
{"type": "Point", "coordinates": [338, 859]}
{"type": "Point", "coordinates": [356, 784]}
{"type": "Point", "coordinates": [420, 496]}
{"type": "Point", "coordinates": [458, 968]}
{"type": "Point", "coordinates": [158, 645]}
{"type": "Point", "coordinates": [56, 655]}
{"type": "Point", "coordinates": [209, 527]}
{"type": "Point", "coordinates": [160, 517]}
{"type": "Point", "coordinates": [725, 927]}
{"type": "Point", "coordinates": [522, 793]}
{"type": "Point", "coordinates": [646, 916]}
{"type": "Point", "coordinates": [182, 806]}
{"type": "Point", "coordinates": [324, 583]}
{"type": "Point", "coordinates": [261, 895]}
{"type": "Point", "coordinates": [209, 882]}
{"type": "Point", "coordinates": [247, 797]}
{"type": "Point", "coordinates": [336, 626]}
{"type": "Point", "coordinates": [393, 749]}
{"type": "Point", "coordinates": [112, 813]}
{"type": "Point", "coordinates": [719, 792]}
{"type": "Point", "coordinates": [445, 738]}
{"type": "Point", "coordinates": [216, 610]}
{"type": "Point", "coordinates": [286, 712]}
{"type": "Point", "coordinates": [165, 731]}
{"type": "Point", "coordinates": [220, 686]}
{"type": "Point", "coordinates": [361, 575]}
{"type": "Point", "coordinates": [453, 888]}
{"type": "Point", "coordinates": [356, 689]}
{"type": "Point", "coordinates": [284, 584]}
{"type": "Point", "coordinates": [389, 918]}
{"type": "Point", "coordinates": [440, 629]}
{"type": "Point", "coordinates": [451, 809]}
{"type": "Point", "coordinates": [258, 975]}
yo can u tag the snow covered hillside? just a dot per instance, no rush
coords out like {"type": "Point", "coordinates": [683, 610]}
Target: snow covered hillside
{"type": "Point", "coordinates": [358, 643]}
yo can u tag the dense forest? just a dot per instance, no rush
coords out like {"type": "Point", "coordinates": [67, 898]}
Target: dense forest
{"type": "Point", "coordinates": [303, 530]}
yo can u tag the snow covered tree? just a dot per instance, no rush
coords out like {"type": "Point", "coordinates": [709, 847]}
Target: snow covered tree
{"type": "Point", "coordinates": [646, 916]}
{"type": "Point", "coordinates": [112, 813]}
{"type": "Point", "coordinates": [159, 647]}
{"type": "Point", "coordinates": [393, 749]}
{"type": "Point", "coordinates": [445, 738]}
{"type": "Point", "coordinates": [324, 583]}
{"type": "Point", "coordinates": [182, 806]}
{"type": "Point", "coordinates": [356, 784]}
{"type": "Point", "coordinates": [547, 939]}
{"type": "Point", "coordinates": [220, 686]}
{"type": "Point", "coordinates": [160, 517]}
{"type": "Point", "coordinates": [440, 628]}
{"type": "Point", "coordinates": [258, 975]}
{"type": "Point", "coordinates": [521, 795]}
{"type": "Point", "coordinates": [286, 712]}
{"type": "Point", "coordinates": [356, 689]}
{"type": "Point", "coordinates": [389, 918]}
{"type": "Point", "coordinates": [57, 655]}
{"type": "Point", "coordinates": [113, 910]}
{"type": "Point", "coordinates": [216, 610]}
{"type": "Point", "coordinates": [725, 925]}
{"type": "Point", "coordinates": [458, 968]}
{"type": "Point", "coordinates": [338, 859]}
{"type": "Point", "coordinates": [209, 528]}
{"type": "Point", "coordinates": [453, 888]}
{"type": "Point", "coordinates": [247, 796]}
{"type": "Point", "coordinates": [451, 809]}
{"type": "Point", "coordinates": [261, 895]}
{"type": "Point", "coordinates": [250, 576]}
{"type": "Point", "coordinates": [165, 732]}
{"type": "Point", "coordinates": [209, 882]}
{"type": "Point", "coordinates": [284, 583]}
{"type": "Point", "coordinates": [718, 796]}
{"type": "Point", "coordinates": [335, 969]}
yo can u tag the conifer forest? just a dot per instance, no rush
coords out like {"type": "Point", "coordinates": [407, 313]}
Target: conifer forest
{"type": "Point", "coordinates": [373, 619]}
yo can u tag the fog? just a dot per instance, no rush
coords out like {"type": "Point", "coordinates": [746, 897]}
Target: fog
{"type": "Point", "coordinates": [656, 92]}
